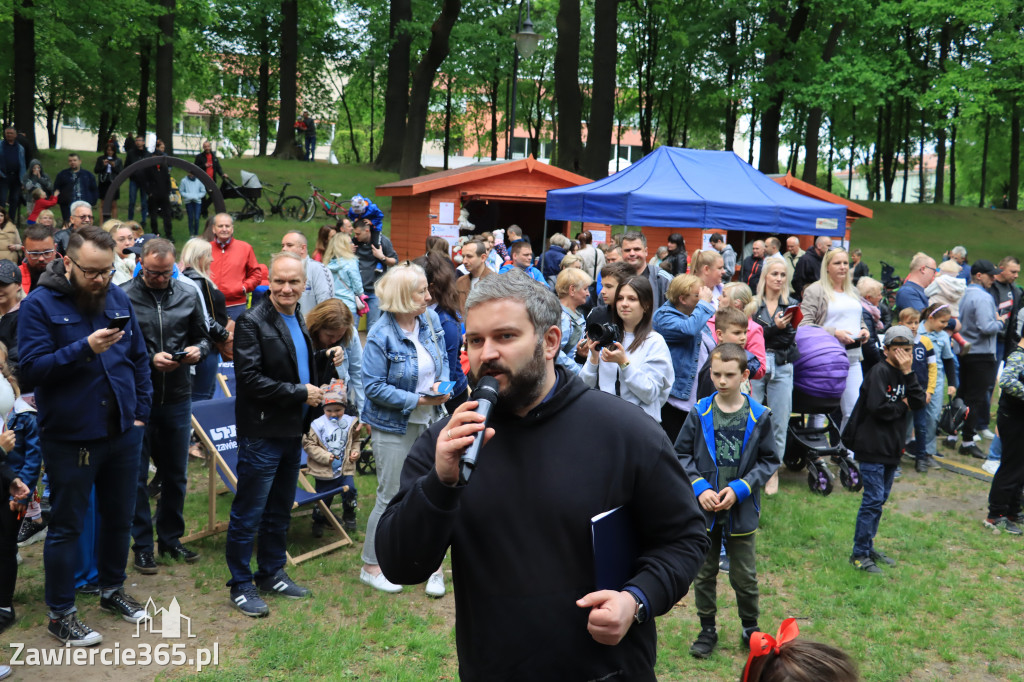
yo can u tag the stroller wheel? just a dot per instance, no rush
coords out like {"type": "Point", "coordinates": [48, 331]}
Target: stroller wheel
{"type": "Point", "coordinates": [366, 464]}
{"type": "Point", "coordinates": [793, 462]}
{"type": "Point", "coordinates": [819, 478]}
{"type": "Point", "coordinates": [259, 217]}
{"type": "Point", "coordinates": [849, 476]}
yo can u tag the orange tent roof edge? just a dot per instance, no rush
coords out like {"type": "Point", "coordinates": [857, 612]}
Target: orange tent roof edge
{"type": "Point", "coordinates": [810, 190]}
{"type": "Point", "coordinates": [473, 173]}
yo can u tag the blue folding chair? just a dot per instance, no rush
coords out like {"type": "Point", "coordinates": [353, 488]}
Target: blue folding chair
{"type": "Point", "coordinates": [214, 424]}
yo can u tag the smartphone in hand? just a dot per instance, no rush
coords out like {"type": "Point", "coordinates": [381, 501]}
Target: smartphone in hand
{"type": "Point", "coordinates": [119, 323]}
{"type": "Point", "coordinates": [444, 388]}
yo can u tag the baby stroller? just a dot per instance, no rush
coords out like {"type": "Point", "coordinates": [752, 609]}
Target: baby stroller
{"type": "Point", "coordinates": [177, 206]}
{"type": "Point", "coordinates": [249, 191]}
{"type": "Point", "coordinates": [819, 377]}
{"type": "Point", "coordinates": [891, 283]}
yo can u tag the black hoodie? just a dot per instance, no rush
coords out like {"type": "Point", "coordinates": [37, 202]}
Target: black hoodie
{"type": "Point", "coordinates": [520, 535]}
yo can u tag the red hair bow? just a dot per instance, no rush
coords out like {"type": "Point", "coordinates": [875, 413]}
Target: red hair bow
{"type": "Point", "coordinates": [761, 643]}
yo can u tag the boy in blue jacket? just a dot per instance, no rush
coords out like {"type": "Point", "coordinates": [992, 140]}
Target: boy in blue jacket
{"type": "Point", "coordinates": [728, 452]}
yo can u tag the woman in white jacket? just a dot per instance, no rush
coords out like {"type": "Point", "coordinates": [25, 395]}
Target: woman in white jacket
{"type": "Point", "coordinates": [639, 368]}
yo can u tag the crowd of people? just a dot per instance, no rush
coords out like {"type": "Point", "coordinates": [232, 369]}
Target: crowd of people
{"type": "Point", "coordinates": [691, 355]}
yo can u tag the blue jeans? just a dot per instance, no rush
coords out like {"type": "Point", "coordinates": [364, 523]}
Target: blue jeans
{"type": "Point", "coordinates": [995, 451]}
{"type": "Point", "coordinates": [88, 549]}
{"type": "Point", "coordinates": [348, 497]}
{"type": "Point", "coordinates": [310, 147]}
{"type": "Point", "coordinates": [374, 314]}
{"type": "Point", "coordinates": [235, 311]}
{"type": "Point", "coordinates": [192, 209]}
{"type": "Point", "coordinates": [924, 431]}
{"type": "Point", "coordinates": [205, 379]}
{"type": "Point", "coordinates": [112, 465]}
{"type": "Point", "coordinates": [166, 443]}
{"type": "Point", "coordinates": [268, 470]}
{"type": "Point", "coordinates": [877, 479]}
{"type": "Point", "coordinates": [775, 390]}
{"type": "Point", "coordinates": [134, 188]}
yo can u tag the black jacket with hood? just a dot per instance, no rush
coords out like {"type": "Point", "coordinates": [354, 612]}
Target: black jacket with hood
{"type": "Point", "coordinates": [520, 535]}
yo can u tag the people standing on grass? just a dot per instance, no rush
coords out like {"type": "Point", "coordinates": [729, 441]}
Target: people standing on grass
{"type": "Point", "coordinates": [981, 326]}
{"type": "Point", "coordinates": [1004, 495]}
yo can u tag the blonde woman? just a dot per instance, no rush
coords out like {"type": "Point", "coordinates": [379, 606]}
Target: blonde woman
{"type": "Point", "coordinates": [340, 257]}
{"type": "Point", "coordinates": [573, 289]}
{"type": "Point", "coordinates": [124, 263]}
{"type": "Point", "coordinates": [775, 389]}
{"type": "Point", "coordinates": [833, 304]}
{"type": "Point", "coordinates": [709, 267]}
{"type": "Point", "coordinates": [572, 260]}
{"type": "Point", "coordinates": [737, 295]}
{"type": "Point", "coordinates": [196, 258]}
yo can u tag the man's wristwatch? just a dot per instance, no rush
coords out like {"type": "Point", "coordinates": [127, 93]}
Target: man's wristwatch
{"type": "Point", "coordinates": [640, 614]}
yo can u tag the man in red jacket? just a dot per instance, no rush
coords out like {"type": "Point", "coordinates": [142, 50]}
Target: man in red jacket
{"type": "Point", "coordinates": [235, 270]}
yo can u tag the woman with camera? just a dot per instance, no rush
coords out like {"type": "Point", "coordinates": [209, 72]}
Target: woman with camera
{"type": "Point", "coordinates": [626, 356]}
{"type": "Point", "coordinates": [834, 304]}
{"type": "Point", "coordinates": [683, 321]}
{"type": "Point", "coordinates": [403, 362]}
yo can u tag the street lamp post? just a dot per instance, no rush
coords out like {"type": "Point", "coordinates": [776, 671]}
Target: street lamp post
{"type": "Point", "coordinates": [526, 41]}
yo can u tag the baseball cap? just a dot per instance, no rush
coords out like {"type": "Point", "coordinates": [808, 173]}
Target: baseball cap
{"type": "Point", "coordinates": [898, 335]}
{"type": "Point", "coordinates": [984, 267]}
{"type": "Point", "coordinates": [9, 273]}
{"type": "Point", "coordinates": [139, 243]}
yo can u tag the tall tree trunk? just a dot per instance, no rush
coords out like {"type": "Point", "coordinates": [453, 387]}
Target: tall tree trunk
{"type": "Point", "coordinates": [288, 75]}
{"type": "Point", "coordinates": [922, 190]}
{"type": "Point", "coordinates": [602, 97]}
{"type": "Point", "coordinates": [853, 154]}
{"type": "Point", "coordinates": [906, 149]}
{"type": "Point", "coordinates": [495, 86]}
{"type": "Point", "coordinates": [351, 130]}
{"type": "Point", "coordinates": [952, 158]}
{"type": "Point", "coordinates": [447, 119]}
{"type": "Point", "coordinates": [876, 171]}
{"type": "Point", "coordinates": [771, 117]}
{"type": "Point", "coordinates": [1014, 157]}
{"type": "Point", "coordinates": [24, 46]}
{"type": "Point", "coordinates": [567, 84]}
{"type": "Point", "coordinates": [422, 84]}
{"type": "Point", "coordinates": [753, 135]}
{"type": "Point", "coordinates": [103, 134]}
{"type": "Point", "coordinates": [814, 116]}
{"type": "Point", "coordinates": [831, 155]}
{"type": "Point", "coordinates": [165, 76]}
{"type": "Point", "coordinates": [396, 94]}
{"type": "Point", "coordinates": [142, 122]}
{"type": "Point", "coordinates": [984, 160]}
{"type": "Point", "coordinates": [945, 36]}
{"type": "Point", "coordinates": [263, 89]}
{"type": "Point", "coordinates": [731, 109]}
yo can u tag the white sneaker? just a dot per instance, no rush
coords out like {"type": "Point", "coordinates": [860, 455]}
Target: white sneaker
{"type": "Point", "coordinates": [435, 585]}
{"type": "Point", "coordinates": [987, 434]}
{"type": "Point", "coordinates": [378, 582]}
{"type": "Point", "coordinates": [990, 466]}
{"type": "Point", "coordinates": [977, 438]}
{"type": "Point", "coordinates": [5, 671]}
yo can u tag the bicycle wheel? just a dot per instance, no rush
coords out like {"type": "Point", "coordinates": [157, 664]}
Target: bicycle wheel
{"type": "Point", "coordinates": [293, 209]}
{"type": "Point", "coordinates": [310, 210]}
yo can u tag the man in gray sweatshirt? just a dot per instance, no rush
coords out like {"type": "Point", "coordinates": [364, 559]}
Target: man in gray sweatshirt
{"type": "Point", "coordinates": [981, 325]}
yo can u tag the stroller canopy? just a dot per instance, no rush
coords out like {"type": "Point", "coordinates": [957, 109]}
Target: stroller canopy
{"type": "Point", "coordinates": [250, 181]}
{"type": "Point", "coordinates": [821, 369]}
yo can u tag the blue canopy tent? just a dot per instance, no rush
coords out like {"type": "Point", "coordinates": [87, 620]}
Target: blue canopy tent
{"type": "Point", "coordinates": [673, 187]}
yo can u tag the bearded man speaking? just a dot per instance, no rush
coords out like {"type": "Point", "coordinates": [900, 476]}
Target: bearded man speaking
{"type": "Point", "coordinates": [555, 455]}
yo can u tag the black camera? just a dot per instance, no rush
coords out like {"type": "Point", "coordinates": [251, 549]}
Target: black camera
{"type": "Point", "coordinates": [604, 333]}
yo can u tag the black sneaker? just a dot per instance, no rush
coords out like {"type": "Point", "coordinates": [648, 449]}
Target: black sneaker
{"type": "Point", "coordinates": [154, 488]}
{"type": "Point", "coordinates": [930, 462]}
{"type": "Point", "coordinates": [73, 632]}
{"type": "Point", "coordinates": [1003, 524]}
{"type": "Point", "coordinates": [31, 532]}
{"type": "Point", "coordinates": [88, 588]}
{"type": "Point", "coordinates": [246, 600]}
{"type": "Point", "coordinates": [864, 563]}
{"type": "Point", "coordinates": [317, 529]}
{"type": "Point", "coordinates": [180, 553]}
{"type": "Point", "coordinates": [348, 517]}
{"type": "Point", "coordinates": [921, 466]}
{"type": "Point", "coordinates": [145, 563]}
{"type": "Point", "coordinates": [881, 558]}
{"type": "Point", "coordinates": [972, 450]}
{"type": "Point", "coordinates": [121, 604]}
{"type": "Point", "coordinates": [747, 634]}
{"type": "Point", "coordinates": [283, 585]}
{"type": "Point", "coordinates": [706, 642]}
{"type": "Point", "coordinates": [7, 618]}
{"type": "Point", "coordinates": [723, 564]}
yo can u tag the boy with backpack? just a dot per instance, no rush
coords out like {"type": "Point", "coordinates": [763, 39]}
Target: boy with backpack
{"type": "Point", "coordinates": [727, 472]}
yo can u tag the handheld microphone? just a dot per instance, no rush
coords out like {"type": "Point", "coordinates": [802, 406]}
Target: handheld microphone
{"type": "Point", "coordinates": [486, 395]}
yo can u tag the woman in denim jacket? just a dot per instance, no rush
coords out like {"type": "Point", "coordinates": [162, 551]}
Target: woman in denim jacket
{"type": "Point", "coordinates": [403, 362]}
{"type": "Point", "coordinates": [681, 320]}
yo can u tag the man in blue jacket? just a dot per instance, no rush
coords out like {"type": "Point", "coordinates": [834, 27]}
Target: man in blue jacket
{"type": "Point", "coordinates": [83, 351]}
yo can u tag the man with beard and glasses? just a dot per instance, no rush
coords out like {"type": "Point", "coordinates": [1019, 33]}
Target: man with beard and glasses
{"type": "Point", "coordinates": [527, 605]}
{"type": "Point", "coordinates": [83, 351]}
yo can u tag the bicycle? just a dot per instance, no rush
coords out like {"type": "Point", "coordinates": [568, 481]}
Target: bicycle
{"type": "Point", "coordinates": [333, 209]}
{"type": "Point", "coordinates": [291, 207]}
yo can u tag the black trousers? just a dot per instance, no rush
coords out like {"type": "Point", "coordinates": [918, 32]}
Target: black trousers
{"type": "Point", "coordinates": [672, 420]}
{"type": "Point", "coordinates": [160, 204]}
{"type": "Point", "coordinates": [9, 526]}
{"type": "Point", "coordinates": [977, 379]}
{"type": "Point", "coordinates": [1004, 495]}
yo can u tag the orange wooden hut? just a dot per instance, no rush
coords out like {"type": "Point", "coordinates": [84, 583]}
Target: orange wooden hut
{"type": "Point", "coordinates": [854, 211]}
{"type": "Point", "coordinates": [496, 194]}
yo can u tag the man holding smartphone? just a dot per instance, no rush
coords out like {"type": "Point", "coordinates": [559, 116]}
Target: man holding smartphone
{"type": "Point", "coordinates": [93, 393]}
{"type": "Point", "coordinates": [174, 325]}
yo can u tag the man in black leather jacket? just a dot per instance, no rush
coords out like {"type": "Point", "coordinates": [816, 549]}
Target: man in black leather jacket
{"type": "Point", "coordinates": [174, 326]}
{"type": "Point", "coordinates": [277, 385]}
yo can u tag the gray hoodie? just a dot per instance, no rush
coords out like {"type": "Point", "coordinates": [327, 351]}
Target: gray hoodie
{"type": "Point", "coordinates": [30, 182]}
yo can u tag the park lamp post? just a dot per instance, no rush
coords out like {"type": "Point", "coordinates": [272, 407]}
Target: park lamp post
{"type": "Point", "coordinates": [526, 41]}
